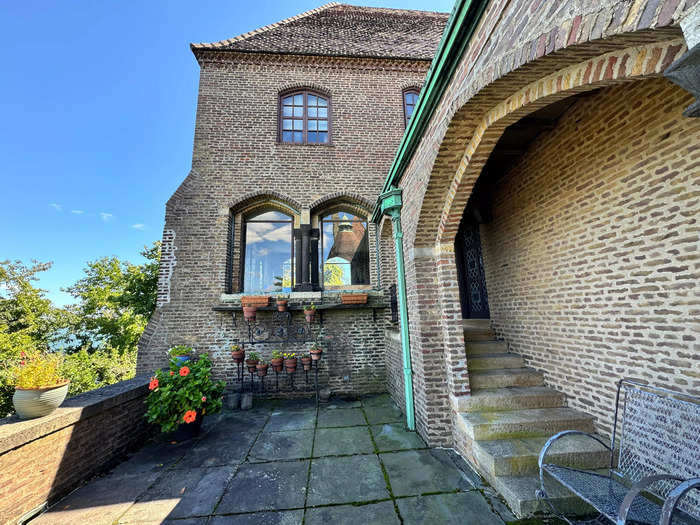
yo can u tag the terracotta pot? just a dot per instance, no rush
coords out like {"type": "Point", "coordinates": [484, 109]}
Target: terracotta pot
{"type": "Point", "coordinates": [353, 298]}
{"type": "Point", "coordinates": [309, 314]}
{"type": "Point", "coordinates": [238, 356]}
{"type": "Point", "coordinates": [38, 402]}
{"type": "Point", "coordinates": [306, 362]}
{"type": "Point", "coordinates": [249, 313]}
{"type": "Point", "coordinates": [255, 300]}
{"type": "Point", "coordinates": [281, 305]}
{"type": "Point", "coordinates": [316, 354]}
{"type": "Point", "coordinates": [251, 364]}
{"type": "Point", "coordinates": [277, 364]}
{"type": "Point", "coordinates": [262, 369]}
{"type": "Point", "coordinates": [290, 365]}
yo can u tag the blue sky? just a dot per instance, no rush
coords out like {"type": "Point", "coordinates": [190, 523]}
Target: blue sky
{"type": "Point", "coordinates": [97, 103]}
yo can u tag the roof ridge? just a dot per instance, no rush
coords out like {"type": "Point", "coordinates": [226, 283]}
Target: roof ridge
{"type": "Point", "coordinates": [263, 29]}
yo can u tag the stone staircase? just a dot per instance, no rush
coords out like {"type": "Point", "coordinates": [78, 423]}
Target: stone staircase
{"type": "Point", "coordinates": [509, 417]}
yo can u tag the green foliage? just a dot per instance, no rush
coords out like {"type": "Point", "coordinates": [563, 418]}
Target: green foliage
{"type": "Point", "coordinates": [38, 369]}
{"type": "Point", "coordinates": [91, 370]}
{"type": "Point", "coordinates": [116, 299]}
{"type": "Point", "coordinates": [180, 350]}
{"type": "Point", "coordinates": [181, 390]}
{"type": "Point", "coordinates": [253, 356]}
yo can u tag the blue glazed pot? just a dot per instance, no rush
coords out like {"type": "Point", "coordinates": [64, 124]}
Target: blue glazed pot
{"type": "Point", "coordinates": [181, 359]}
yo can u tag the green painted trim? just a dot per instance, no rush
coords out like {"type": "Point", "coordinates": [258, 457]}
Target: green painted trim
{"type": "Point", "coordinates": [390, 202]}
{"type": "Point", "coordinates": [461, 25]}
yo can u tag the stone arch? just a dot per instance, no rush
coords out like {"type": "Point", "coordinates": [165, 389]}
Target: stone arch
{"type": "Point", "coordinates": [295, 86]}
{"type": "Point", "coordinates": [258, 200]}
{"type": "Point", "coordinates": [353, 201]}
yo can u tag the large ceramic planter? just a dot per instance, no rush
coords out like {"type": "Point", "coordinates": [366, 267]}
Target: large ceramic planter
{"type": "Point", "coordinates": [180, 359]}
{"type": "Point", "coordinates": [39, 402]}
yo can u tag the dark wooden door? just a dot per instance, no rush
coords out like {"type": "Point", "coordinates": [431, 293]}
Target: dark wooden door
{"type": "Point", "coordinates": [470, 268]}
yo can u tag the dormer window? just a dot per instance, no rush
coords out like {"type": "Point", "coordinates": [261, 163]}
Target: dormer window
{"type": "Point", "coordinates": [304, 118]}
{"type": "Point", "coordinates": [410, 98]}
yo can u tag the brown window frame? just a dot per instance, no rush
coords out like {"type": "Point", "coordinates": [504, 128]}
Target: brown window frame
{"type": "Point", "coordinates": [305, 118]}
{"type": "Point", "coordinates": [413, 91]}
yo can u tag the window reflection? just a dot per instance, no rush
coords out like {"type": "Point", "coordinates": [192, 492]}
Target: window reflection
{"type": "Point", "coordinates": [345, 250]}
{"type": "Point", "coordinates": [268, 256]}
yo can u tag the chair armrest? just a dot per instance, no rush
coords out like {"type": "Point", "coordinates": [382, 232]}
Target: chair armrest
{"type": "Point", "coordinates": [674, 496]}
{"type": "Point", "coordinates": [634, 491]}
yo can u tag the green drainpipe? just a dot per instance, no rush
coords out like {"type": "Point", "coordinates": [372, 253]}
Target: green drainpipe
{"type": "Point", "coordinates": [391, 206]}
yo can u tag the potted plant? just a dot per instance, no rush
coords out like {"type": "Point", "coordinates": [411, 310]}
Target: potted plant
{"type": "Point", "coordinates": [40, 387]}
{"type": "Point", "coordinates": [315, 351]}
{"type": "Point", "coordinates": [353, 298]}
{"type": "Point", "coordinates": [262, 367]}
{"type": "Point", "coordinates": [277, 360]}
{"type": "Point", "coordinates": [249, 313]}
{"type": "Point", "coordinates": [180, 354]}
{"type": "Point", "coordinates": [310, 313]}
{"type": "Point", "coordinates": [252, 361]}
{"type": "Point", "coordinates": [281, 304]}
{"type": "Point", "coordinates": [306, 361]}
{"type": "Point", "coordinates": [183, 395]}
{"type": "Point", "coordinates": [237, 353]}
{"type": "Point", "coordinates": [290, 362]}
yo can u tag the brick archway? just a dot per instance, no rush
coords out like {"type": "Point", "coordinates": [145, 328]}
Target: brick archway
{"type": "Point", "coordinates": [438, 329]}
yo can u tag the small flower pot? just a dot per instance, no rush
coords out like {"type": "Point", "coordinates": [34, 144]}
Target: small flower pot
{"type": "Point", "coordinates": [353, 298]}
{"type": "Point", "coordinates": [290, 365]}
{"type": "Point", "coordinates": [238, 356]}
{"type": "Point", "coordinates": [281, 305]}
{"type": "Point", "coordinates": [249, 313]}
{"type": "Point", "coordinates": [251, 364]}
{"type": "Point", "coordinates": [39, 402]}
{"type": "Point", "coordinates": [306, 363]}
{"type": "Point", "coordinates": [310, 315]}
{"type": "Point", "coordinates": [180, 359]}
{"type": "Point", "coordinates": [262, 369]}
{"type": "Point", "coordinates": [277, 364]}
{"type": "Point", "coordinates": [316, 354]}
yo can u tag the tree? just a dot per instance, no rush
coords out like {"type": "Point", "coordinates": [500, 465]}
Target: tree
{"type": "Point", "coordinates": [116, 299]}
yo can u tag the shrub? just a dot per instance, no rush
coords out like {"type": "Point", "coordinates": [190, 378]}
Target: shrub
{"type": "Point", "coordinates": [183, 393]}
{"type": "Point", "coordinates": [38, 370]}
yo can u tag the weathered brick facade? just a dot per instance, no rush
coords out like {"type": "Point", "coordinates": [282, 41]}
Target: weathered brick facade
{"type": "Point", "coordinates": [592, 256]}
{"type": "Point", "coordinates": [239, 164]}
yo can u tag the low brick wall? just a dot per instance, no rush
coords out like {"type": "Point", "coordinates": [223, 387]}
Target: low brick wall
{"type": "Point", "coordinates": [43, 459]}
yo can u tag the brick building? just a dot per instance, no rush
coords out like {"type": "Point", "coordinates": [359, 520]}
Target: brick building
{"type": "Point", "coordinates": [550, 184]}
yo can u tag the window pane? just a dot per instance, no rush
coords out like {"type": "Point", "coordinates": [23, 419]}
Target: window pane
{"type": "Point", "coordinates": [298, 112]}
{"type": "Point", "coordinates": [268, 261]}
{"type": "Point", "coordinates": [298, 100]}
{"type": "Point", "coordinates": [286, 111]}
{"type": "Point", "coordinates": [286, 124]}
{"type": "Point", "coordinates": [323, 125]}
{"type": "Point", "coordinates": [322, 101]}
{"type": "Point", "coordinates": [286, 136]}
{"type": "Point", "coordinates": [312, 125]}
{"type": "Point", "coordinates": [345, 251]}
{"type": "Point", "coordinates": [271, 216]}
{"type": "Point", "coordinates": [311, 137]}
{"type": "Point", "coordinates": [287, 101]}
{"type": "Point", "coordinates": [298, 124]}
{"type": "Point", "coordinates": [323, 112]}
{"type": "Point", "coordinates": [409, 112]}
{"type": "Point", "coordinates": [312, 100]}
{"type": "Point", "coordinates": [298, 136]}
{"type": "Point", "coordinates": [312, 112]}
{"type": "Point", "coordinates": [323, 136]}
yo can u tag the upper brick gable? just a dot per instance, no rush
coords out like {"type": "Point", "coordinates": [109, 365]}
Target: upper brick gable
{"type": "Point", "coordinates": [345, 30]}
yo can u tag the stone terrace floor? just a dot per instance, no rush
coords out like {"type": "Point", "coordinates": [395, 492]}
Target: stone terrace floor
{"type": "Point", "coordinates": [284, 462]}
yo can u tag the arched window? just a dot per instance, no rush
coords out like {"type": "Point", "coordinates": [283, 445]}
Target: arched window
{"type": "Point", "coordinates": [268, 253]}
{"type": "Point", "coordinates": [410, 98]}
{"type": "Point", "coordinates": [344, 250]}
{"type": "Point", "coordinates": [304, 118]}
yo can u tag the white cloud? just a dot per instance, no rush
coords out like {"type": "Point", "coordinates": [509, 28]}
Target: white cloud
{"type": "Point", "coordinates": [56, 207]}
{"type": "Point", "coordinates": [106, 217]}
{"type": "Point", "coordinates": [138, 226]}
{"type": "Point", "coordinates": [77, 212]}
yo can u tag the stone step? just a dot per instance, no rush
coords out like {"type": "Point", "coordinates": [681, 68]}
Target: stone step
{"type": "Point", "coordinates": [484, 347]}
{"type": "Point", "coordinates": [495, 361]}
{"type": "Point", "coordinates": [518, 457]}
{"type": "Point", "coordinates": [504, 377]}
{"type": "Point", "coordinates": [510, 398]}
{"type": "Point", "coordinates": [523, 423]}
{"type": "Point", "coordinates": [473, 335]}
{"type": "Point", "coordinates": [520, 495]}
{"type": "Point", "coordinates": [476, 324]}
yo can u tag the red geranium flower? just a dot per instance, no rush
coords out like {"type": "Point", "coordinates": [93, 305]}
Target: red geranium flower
{"type": "Point", "coordinates": [204, 399]}
{"type": "Point", "coordinates": [22, 363]}
{"type": "Point", "coordinates": [184, 371]}
{"type": "Point", "coordinates": [172, 373]}
{"type": "Point", "coordinates": [153, 384]}
{"type": "Point", "coordinates": [189, 416]}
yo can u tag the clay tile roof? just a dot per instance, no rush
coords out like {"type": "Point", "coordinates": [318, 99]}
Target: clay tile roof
{"type": "Point", "coordinates": [345, 30]}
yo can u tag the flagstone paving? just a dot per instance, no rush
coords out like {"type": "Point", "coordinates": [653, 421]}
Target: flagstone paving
{"type": "Point", "coordinates": [289, 463]}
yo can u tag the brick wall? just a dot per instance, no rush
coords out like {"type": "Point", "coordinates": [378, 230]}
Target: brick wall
{"type": "Point", "coordinates": [592, 259]}
{"type": "Point", "coordinates": [238, 163]}
{"type": "Point", "coordinates": [43, 459]}
{"type": "Point", "coordinates": [394, 367]}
